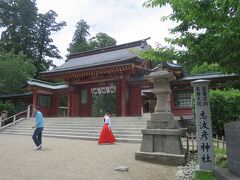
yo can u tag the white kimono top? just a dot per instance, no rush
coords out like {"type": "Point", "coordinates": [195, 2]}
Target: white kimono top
{"type": "Point", "coordinates": [107, 120]}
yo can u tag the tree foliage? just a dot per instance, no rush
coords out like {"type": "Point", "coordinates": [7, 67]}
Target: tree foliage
{"type": "Point", "coordinates": [206, 68]}
{"type": "Point", "coordinates": [14, 71]}
{"type": "Point", "coordinates": [18, 18]}
{"type": "Point", "coordinates": [209, 31]}
{"type": "Point", "coordinates": [225, 107]}
{"type": "Point", "coordinates": [80, 41]}
{"type": "Point", "coordinates": [101, 40]}
{"type": "Point", "coordinates": [46, 25]}
{"type": "Point", "coordinates": [25, 31]}
{"type": "Point", "coordinates": [9, 107]}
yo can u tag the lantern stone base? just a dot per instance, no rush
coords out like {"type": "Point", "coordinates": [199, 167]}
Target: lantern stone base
{"type": "Point", "coordinates": [161, 158]}
{"type": "Point", "coordinates": [161, 141]}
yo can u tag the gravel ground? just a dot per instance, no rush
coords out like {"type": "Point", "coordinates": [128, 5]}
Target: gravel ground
{"type": "Point", "coordinates": [187, 172]}
{"type": "Point", "coordinates": [70, 159]}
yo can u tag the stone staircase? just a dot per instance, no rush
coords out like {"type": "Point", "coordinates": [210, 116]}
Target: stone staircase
{"type": "Point", "coordinates": [125, 129]}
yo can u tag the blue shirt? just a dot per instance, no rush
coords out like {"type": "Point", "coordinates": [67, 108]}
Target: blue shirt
{"type": "Point", "coordinates": [39, 119]}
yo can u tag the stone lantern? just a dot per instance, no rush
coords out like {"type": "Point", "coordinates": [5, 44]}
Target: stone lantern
{"type": "Point", "coordinates": [161, 142]}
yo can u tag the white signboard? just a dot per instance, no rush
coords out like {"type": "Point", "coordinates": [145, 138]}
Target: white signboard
{"type": "Point", "coordinates": [103, 90]}
{"type": "Point", "coordinates": [204, 125]}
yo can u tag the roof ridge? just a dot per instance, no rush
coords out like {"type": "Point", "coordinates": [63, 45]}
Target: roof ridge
{"type": "Point", "coordinates": [107, 49]}
{"type": "Point", "coordinates": [208, 73]}
{"type": "Point", "coordinates": [46, 82]}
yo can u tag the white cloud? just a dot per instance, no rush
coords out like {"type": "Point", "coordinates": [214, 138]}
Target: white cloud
{"type": "Point", "coordinates": [124, 20]}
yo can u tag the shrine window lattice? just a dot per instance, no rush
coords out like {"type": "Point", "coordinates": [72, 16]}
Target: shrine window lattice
{"type": "Point", "coordinates": [44, 101]}
{"type": "Point", "coordinates": [183, 99]}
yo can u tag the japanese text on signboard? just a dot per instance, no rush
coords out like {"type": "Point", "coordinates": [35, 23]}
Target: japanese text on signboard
{"type": "Point", "coordinates": [204, 126]}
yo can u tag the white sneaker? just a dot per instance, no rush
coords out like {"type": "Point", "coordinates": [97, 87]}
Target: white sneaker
{"type": "Point", "coordinates": [39, 147]}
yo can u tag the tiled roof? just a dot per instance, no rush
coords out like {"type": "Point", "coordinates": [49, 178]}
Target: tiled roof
{"type": "Point", "coordinates": [3, 96]}
{"type": "Point", "coordinates": [45, 84]}
{"type": "Point", "coordinates": [101, 57]}
{"type": "Point", "coordinates": [205, 76]}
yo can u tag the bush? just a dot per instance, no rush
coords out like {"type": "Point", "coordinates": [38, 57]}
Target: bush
{"type": "Point", "coordinates": [220, 156]}
{"type": "Point", "coordinates": [7, 106]}
{"type": "Point", "coordinates": [225, 107]}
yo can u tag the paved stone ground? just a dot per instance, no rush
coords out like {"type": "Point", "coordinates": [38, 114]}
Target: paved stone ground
{"type": "Point", "coordinates": [70, 159]}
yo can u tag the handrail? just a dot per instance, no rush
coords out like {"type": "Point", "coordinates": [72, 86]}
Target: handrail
{"type": "Point", "coordinates": [14, 117]}
{"type": "Point", "coordinates": [11, 123]}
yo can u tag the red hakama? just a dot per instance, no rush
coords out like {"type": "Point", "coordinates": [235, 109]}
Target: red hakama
{"type": "Point", "coordinates": [106, 135]}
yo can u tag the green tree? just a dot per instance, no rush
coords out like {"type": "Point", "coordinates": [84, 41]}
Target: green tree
{"type": "Point", "coordinates": [225, 107]}
{"type": "Point", "coordinates": [79, 41]}
{"type": "Point", "coordinates": [209, 32]}
{"type": "Point", "coordinates": [27, 32]}
{"type": "Point", "coordinates": [206, 68]}
{"type": "Point", "coordinates": [46, 25]}
{"type": "Point", "coordinates": [18, 18]}
{"type": "Point", "coordinates": [14, 71]}
{"type": "Point", "coordinates": [101, 40]}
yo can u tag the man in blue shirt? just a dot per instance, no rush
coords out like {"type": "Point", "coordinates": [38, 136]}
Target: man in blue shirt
{"type": "Point", "coordinates": [39, 124]}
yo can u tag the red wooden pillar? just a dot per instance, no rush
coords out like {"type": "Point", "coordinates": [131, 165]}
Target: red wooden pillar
{"type": "Point", "coordinates": [70, 103]}
{"type": "Point", "coordinates": [34, 103]}
{"type": "Point", "coordinates": [74, 104]}
{"type": "Point", "coordinates": [85, 108]}
{"type": "Point", "coordinates": [55, 105]}
{"type": "Point", "coordinates": [35, 99]}
{"type": "Point", "coordinates": [90, 102]}
{"type": "Point", "coordinates": [135, 101]}
{"type": "Point", "coordinates": [121, 99]}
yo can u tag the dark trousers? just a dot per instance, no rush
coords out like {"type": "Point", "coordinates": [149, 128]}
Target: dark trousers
{"type": "Point", "coordinates": [37, 136]}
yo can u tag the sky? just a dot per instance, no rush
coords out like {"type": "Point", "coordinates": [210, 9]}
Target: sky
{"type": "Point", "coordinates": [123, 20]}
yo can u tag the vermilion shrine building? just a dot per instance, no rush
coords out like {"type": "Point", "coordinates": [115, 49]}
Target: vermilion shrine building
{"type": "Point", "coordinates": [115, 70]}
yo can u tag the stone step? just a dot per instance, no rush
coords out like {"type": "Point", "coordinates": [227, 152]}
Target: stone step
{"type": "Point", "coordinates": [82, 122]}
{"type": "Point", "coordinates": [87, 126]}
{"type": "Point", "coordinates": [90, 130]}
{"type": "Point", "coordinates": [118, 139]}
{"type": "Point", "coordinates": [127, 129]}
{"type": "Point", "coordinates": [90, 134]}
{"type": "Point", "coordinates": [88, 120]}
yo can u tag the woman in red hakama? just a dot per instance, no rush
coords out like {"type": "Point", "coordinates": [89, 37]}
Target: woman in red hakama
{"type": "Point", "coordinates": [106, 135]}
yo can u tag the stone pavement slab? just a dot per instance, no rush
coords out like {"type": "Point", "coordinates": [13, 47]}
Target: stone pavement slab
{"type": "Point", "coordinates": [69, 159]}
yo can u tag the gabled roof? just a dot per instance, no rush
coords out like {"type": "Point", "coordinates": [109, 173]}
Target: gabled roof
{"type": "Point", "coordinates": [45, 84]}
{"type": "Point", "coordinates": [6, 96]}
{"type": "Point", "coordinates": [206, 76]}
{"type": "Point", "coordinates": [101, 57]}
{"type": "Point", "coordinates": [169, 65]}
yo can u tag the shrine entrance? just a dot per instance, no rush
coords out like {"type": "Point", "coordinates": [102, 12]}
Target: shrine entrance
{"type": "Point", "coordinates": [103, 101]}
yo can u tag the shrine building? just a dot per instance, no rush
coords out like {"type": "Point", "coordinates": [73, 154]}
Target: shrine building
{"type": "Point", "coordinates": [112, 70]}
{"type": "Point", "coordinates": [109, 79]}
